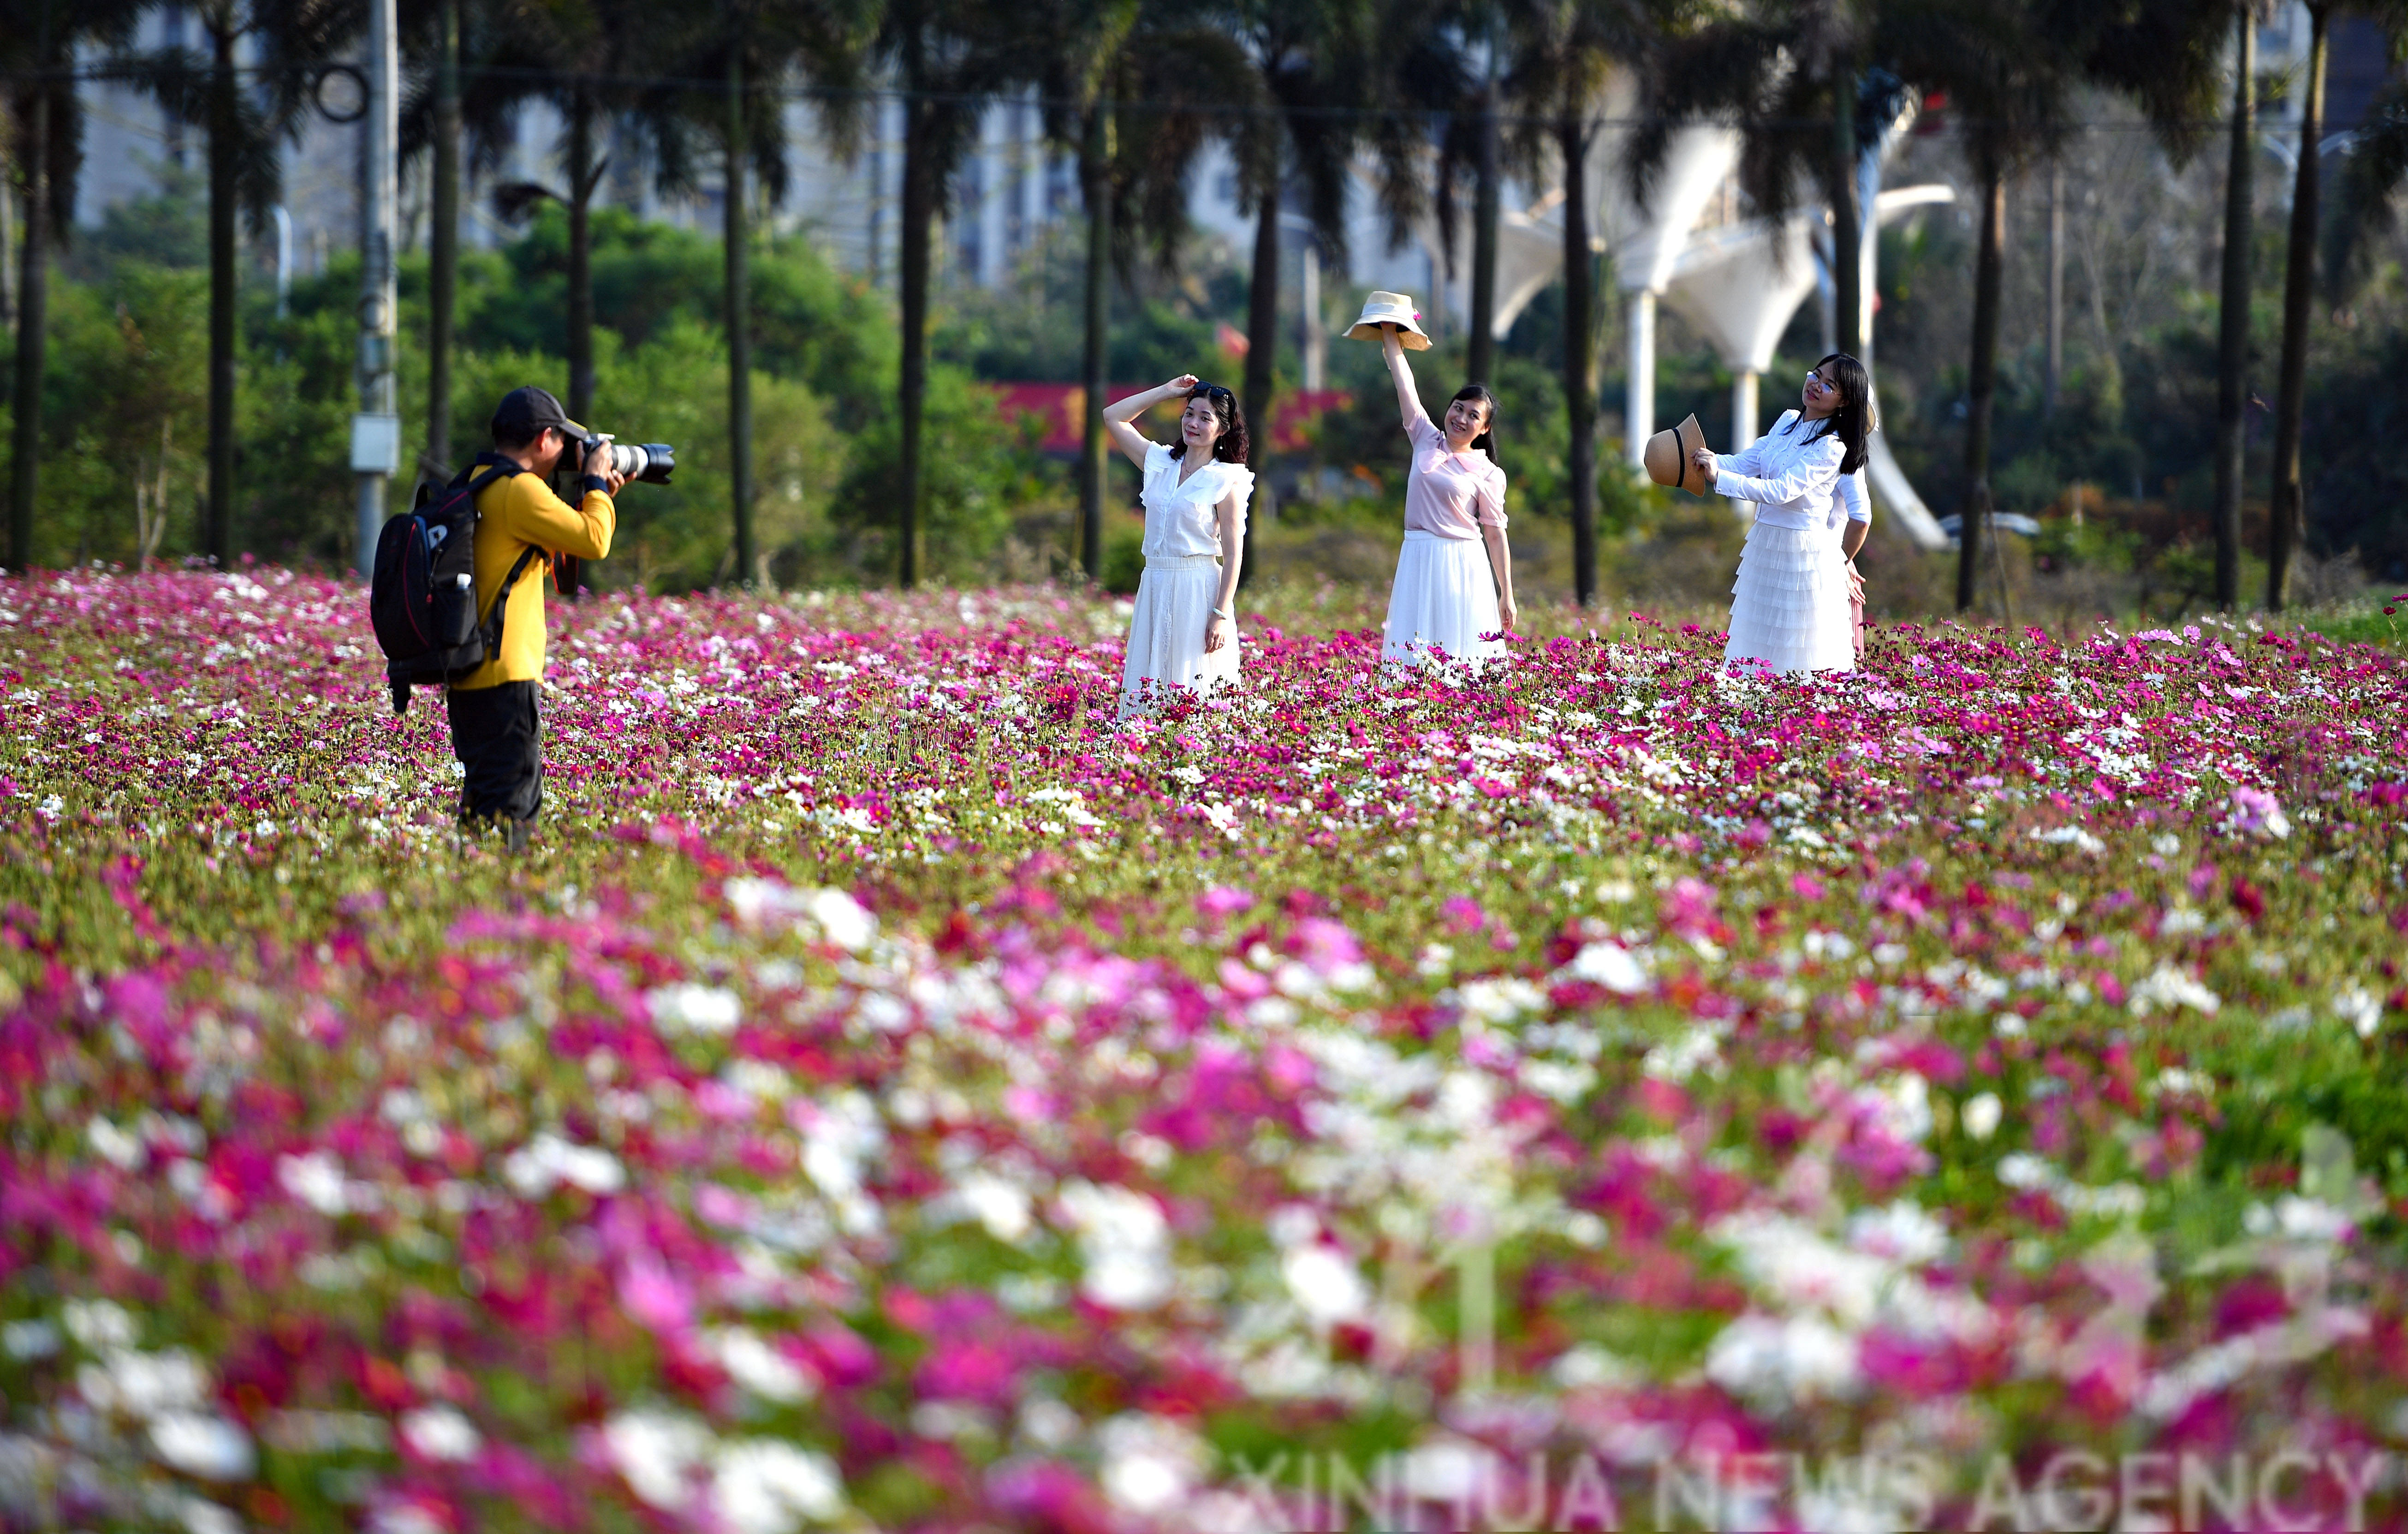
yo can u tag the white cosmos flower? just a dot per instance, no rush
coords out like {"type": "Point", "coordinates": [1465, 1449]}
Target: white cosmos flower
{"type": "Point", "coordinates": [1609, 965]}
{"type": "Point", "coordinates": [1151, 1464]}
{"type": "Point", "coordinates": [655, 1453]}
{"type": "Point", "coordinates": [545, 1162]}
{"type": "Point", "coordinates": [687, 1008]}
{"type": "Point", "coordinates": [203, 1444]}
{"type": "Point", "coordinates": [316, 1179]}
{"type": "Point", "coordinates": [441, 1433]}
{"type": "Point", "coordinates": [1325, 1283]}
{"type": "Point", "coordinates": [1801, 1358]}
{"type": "Point", "coordinates": [759, 1367]}
{"type": "Point", "coordinates": [763, 1486]}
{"type": "Point", "coordinates": [1124, 1241]}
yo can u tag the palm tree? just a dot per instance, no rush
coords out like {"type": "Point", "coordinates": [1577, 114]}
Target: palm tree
{"type": "Point", "coordinates": [1314, 67]}
{"type": "Point", "coordinates": [949, 58]}
{"type": "Point", "coordinates": [753, 45]}
{"type": "Point", "coordinates": [2233, 311]}
{"type": "Point", "coordinates": [1134, 164]}
{"type": "Point", "coordinates": [2286, 525]}
{"type": "Point", "coordinates": [1787, 77]}
{"type": "Point", "coordinates": [1562, 50]}
{"type": "Point", "coordinates": [435, 39]}
{"type": "Point", "coordinates": [2286, 509]}
{"type": "Point", "coordinates": [247, 125]}
{"type": "Point", "coordinates": [2012, 73]}
{"type": "Point", "coordinates": [39, 40]}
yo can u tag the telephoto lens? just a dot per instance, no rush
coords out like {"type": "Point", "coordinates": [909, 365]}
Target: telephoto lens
{"type": "Point", "coordinates": [651, 463]}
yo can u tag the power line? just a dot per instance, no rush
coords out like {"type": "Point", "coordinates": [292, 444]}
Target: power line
{"type": "Point", "coordinates": [1950, 119]}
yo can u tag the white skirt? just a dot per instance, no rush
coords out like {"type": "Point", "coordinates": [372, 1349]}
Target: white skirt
{"type": "Point", "coordinates": [1789, 606]}
{"type": "Point", "coordinates": [1166, 642]}
{"type": "Point", "coordinates": [1445, 598]}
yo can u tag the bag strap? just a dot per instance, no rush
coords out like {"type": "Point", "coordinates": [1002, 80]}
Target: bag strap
{"type": "Point", "coordinates": [498, 467]}
{"type": "Point", "coordinates": [494, 615]}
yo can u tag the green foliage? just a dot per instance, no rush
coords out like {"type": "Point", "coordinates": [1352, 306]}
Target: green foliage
{"type": "Point", "coordinates": [125, 411]}
{"type": "Point", "coordinates": [127, 382]}
{"type": "Point", "coordinates": [975, 470]}
{"type": "Point", "coordinates": [1030, 326]}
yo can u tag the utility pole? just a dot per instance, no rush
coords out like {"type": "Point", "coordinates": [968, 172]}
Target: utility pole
{"type": "Point", "coordinates": [375, 430]}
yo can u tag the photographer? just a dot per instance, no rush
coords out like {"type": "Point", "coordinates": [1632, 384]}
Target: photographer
{"type": "Point", "coordinates": [496, 713]}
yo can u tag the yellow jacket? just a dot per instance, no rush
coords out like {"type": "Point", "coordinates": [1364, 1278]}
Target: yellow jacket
{"type": "Point", "coordinates": [513, 515]}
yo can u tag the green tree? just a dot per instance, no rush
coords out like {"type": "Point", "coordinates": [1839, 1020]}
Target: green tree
{"type": "Point", "coordinates": [247, 109]}
{"type": "Point", "coordinates": [38, 40]}
{"type": "Point", "coordinates": [2286, 522]}
{"type": "Point", "coordinates": [948, 58]}
{"type": "Point", "coordinates": [1134, 164]}
{"type": "Point", "coordinates": [755, 47]}
{"type": "Point", "coordinates": [1315, 63]}
{"type": "Point", "coordinates": [1561, 54]}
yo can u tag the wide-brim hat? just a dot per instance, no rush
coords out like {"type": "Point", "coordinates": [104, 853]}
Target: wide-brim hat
{"type": "Point", "coordinates": [1671, 457]}
{"type": "Point", "coordinates": [1391, 309]}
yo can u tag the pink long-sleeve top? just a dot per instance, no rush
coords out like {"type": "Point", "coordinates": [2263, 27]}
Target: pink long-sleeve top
{"type": "Point", "coordinates": [1450, 495]}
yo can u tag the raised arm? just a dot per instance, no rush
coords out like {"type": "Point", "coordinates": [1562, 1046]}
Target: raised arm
{"type": "Point", "coordinates": [1409, 399]}
{"type": "Point", "coordinates": [1118, 415]}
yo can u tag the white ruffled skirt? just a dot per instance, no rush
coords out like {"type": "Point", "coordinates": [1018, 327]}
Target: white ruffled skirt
{"type": "Point", "coordinates": [1445, 598]}
{"type": "Point", "coordinates": [1789, 606]}
{"type": "Point", "coordinates": [1166, 642]}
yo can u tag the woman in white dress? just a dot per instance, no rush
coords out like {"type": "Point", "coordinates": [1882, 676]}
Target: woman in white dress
{"type": "Point", "coordinates": [1184, 632]}
{"type": "Point", "coordinates": [1789, 605]}
{"type": "Point", "coordinates": [1448, 593]}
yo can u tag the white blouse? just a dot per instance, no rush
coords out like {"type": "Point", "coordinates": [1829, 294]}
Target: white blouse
{"type": "Point", "coordinates": [1793, 482]}
{"type": "Point", "coordinates": [1181, 521]}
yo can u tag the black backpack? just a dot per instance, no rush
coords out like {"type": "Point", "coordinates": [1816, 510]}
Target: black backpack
{"type": "Point", "coordinates": [422, 596]}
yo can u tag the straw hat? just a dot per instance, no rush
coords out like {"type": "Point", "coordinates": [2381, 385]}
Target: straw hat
{"type": "Point", "coordinates": [1391, 309]}
{"type": "Point", "coordinates": [1671, 457]}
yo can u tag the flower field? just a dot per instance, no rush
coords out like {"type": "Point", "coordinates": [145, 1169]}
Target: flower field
{"type": "Point", "coordinates": [894, 1093]}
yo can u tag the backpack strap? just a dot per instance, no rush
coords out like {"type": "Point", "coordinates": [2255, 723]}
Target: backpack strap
{"type": "Point", "coordinates": [497, 468]}
{"type": "Point", "coordinates": [493, 616]}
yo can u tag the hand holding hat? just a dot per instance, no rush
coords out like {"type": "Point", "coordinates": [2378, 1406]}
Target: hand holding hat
{"type": "Point", "coordinates": [1391, 309]}
{"type": "Point", "coordinates": [1672, 458]}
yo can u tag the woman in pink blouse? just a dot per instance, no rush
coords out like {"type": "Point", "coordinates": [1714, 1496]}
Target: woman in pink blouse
{"type": "Point", "coordinates": [1449, 600]}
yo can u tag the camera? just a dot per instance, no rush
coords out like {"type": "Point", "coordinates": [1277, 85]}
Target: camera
{"type": "Point", "coordinates": [651, 463]}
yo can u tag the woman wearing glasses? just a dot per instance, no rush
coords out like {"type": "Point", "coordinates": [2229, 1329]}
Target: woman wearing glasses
{"type": "Point", "coordinates": [1184, 632]}
{"type": "Point", "coordinates": [1448, 598]}
{"type": "Point", "coordinates": [1790, 604]}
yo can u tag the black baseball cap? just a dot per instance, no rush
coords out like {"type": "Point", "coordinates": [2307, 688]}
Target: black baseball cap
{"type": "Point", "coordinates": [526, 411]}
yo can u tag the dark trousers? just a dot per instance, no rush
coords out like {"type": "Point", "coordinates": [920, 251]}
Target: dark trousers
{"type": "Point", "coordinates": [497, 734]}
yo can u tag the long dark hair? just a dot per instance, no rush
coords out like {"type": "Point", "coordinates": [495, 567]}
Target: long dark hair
{"type": "Point", "coordinates": [1855, 420]}
{"type": "Point", "coordinates": [1486, 441]}
{"type": "Point", "coordinates": [1230, 446]}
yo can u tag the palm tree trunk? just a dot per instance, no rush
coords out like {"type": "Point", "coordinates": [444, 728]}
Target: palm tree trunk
{"type": "Point", "coordinates": [919, 212]}
{"type": "Point", "coordinates": [33, 315]}
{"type": "Point", "coordinates": [1580, 356]}
{"type": "Point", "coordinates": [736, 237]}
{"type": "Point", "coordinates": [1847, 233]}
{"type": "Point", "coordinates": [1482, 361]}
{"type": "Point", "coordinates": [581, 182]}
{"type": "Point", "coordinates": [1261, 350]}
{"type": "Point", "coordinates": [443, 242]}
{"type": "Point", "coordinates": [2232, 330]}
{"type": "Point", "coordinates": [1989, 271]}
{"type": "Point", "coordinates": [2286, 522]}
{"type": "Point", "coordinates": [1095, 178]}
{"type": "Point", "coordinates": [223, 155]}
